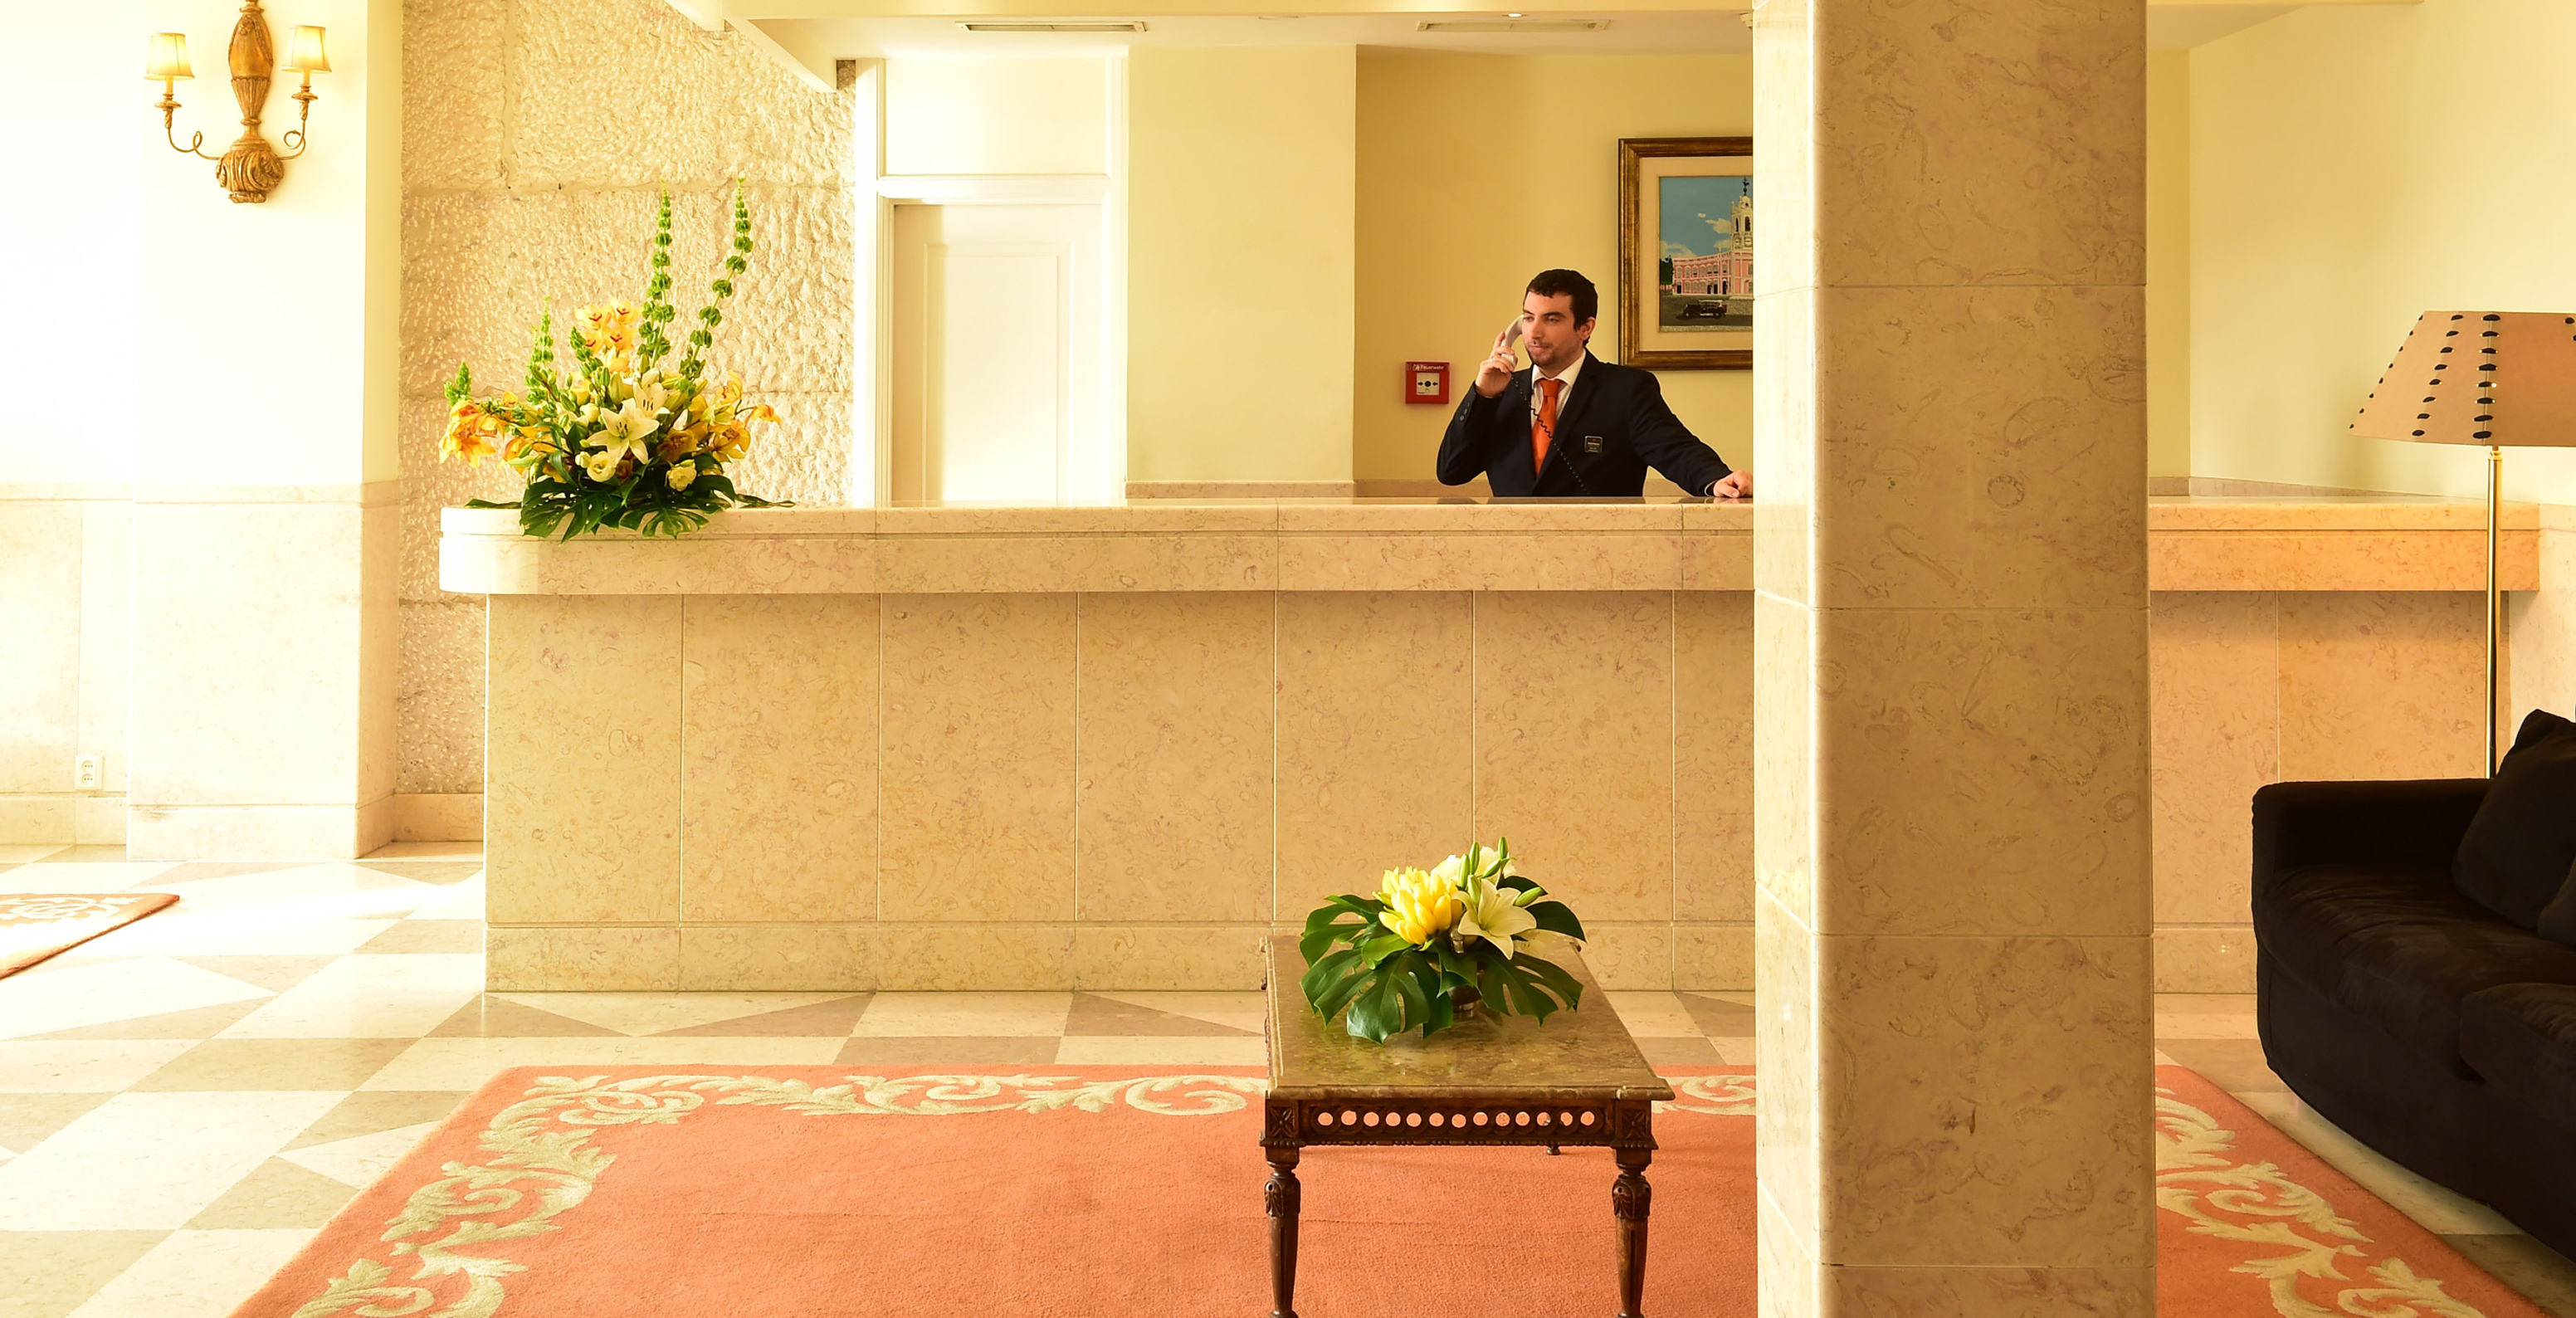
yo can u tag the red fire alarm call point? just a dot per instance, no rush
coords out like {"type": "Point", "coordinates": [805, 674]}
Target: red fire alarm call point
{"type": "Point", "coordinates": [1426, 382]}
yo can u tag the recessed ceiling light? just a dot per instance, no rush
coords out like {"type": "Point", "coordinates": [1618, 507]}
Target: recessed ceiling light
{"type": "Point", "coordinates": [1513, 15]}
{"type": "Point", "coordinates": [984, 25]}
{"type": "Point", "coordinates": [1521, 25]}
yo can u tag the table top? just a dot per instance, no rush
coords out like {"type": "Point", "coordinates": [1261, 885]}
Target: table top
{"type": "Point", "coordinates": [1583, 1053]}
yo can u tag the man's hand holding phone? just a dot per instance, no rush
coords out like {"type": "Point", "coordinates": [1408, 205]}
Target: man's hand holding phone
{"type": "Point", "coordinates": [1496, 374]}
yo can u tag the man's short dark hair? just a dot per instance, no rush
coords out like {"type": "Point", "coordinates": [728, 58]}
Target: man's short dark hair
{"type": "Point", "coordinates": [1558, 283]}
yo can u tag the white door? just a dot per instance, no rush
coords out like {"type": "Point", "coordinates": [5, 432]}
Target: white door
{"type": "Point", "coordinates": [996, 352]}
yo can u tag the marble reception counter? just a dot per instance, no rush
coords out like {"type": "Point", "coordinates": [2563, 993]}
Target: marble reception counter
{"type": "Point", "coordinates": [1111, 748]}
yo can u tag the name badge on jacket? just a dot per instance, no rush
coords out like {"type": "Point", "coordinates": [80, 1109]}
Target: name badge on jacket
{"type": "Point", "coordinates": [1591, 443]}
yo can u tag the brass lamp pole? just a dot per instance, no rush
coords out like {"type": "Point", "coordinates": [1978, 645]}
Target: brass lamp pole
{"type": "Point", "coordinates": [2496, 379]}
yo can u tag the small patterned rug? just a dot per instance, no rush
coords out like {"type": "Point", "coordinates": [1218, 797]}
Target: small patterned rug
{"type": "Point", "coordinates": [34, 926]}
{"type": "Point", "coordinates": [733, 1193]}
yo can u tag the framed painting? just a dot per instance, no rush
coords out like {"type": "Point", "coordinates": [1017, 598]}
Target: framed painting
{"type": "Point", "coordinates": [1686, 253]}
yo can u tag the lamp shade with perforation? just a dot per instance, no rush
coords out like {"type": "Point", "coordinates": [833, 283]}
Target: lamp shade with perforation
{"type": "Point", "coordinates": [2495, 379]}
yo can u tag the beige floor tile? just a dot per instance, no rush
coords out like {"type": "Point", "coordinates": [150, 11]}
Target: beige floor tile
{"type": "Point", "coordinates": [2215, 1004]}
{"type": "Point", "coordinates": [1654, 1015]}
{"type": "Point", "coordinates": [661, 1013]}
{"type": "Point", "coordinates": [276, 1194]}
{"type": "Point", "coordinates": [461, 901]}
{"type": "Point", "coordinates": [1719, 1014]}
{"type": "Point", "coordinates": [2543, 1275]}
{"type": "Point", "coordinates": [107, 991]}
{"type": "Point", "coordinates": [444, 873]}
{"type": "Point", "coordinates": [467, 1063]}
{"type": "Point", "coordinates": [1691, 1051]}
{"type": "Point", "coordinates": [924, 1050]}
{"type": "Point", "coordinates": [963, 1014]}
{"type": "Point", "coordinates": [2436, 1209]}
{"type": "Point", "coordinates": [370, 1111]}
{"type": "Point", "coordinates": [19, 853]}
{"type": "Point", "coordinates": [340, 1065]}
{"type": "Point", "coordinates": [369, 997]}
{"type": "Point", "coordinates": [277, 974]}
{"type": "Point", "coordinates": [85, 1067]}
{"type": "Point", "coordinates": [419, 935]}
{"type": "Point", "coordinates": [360, 1160]}
{"type": "Point", "coordinates": [490, 1016]}
{"type": "Point", "coordinates": [428, 851]}
{"type": "Point", "coordinates": [1202, 1051]}
{"type": "Point", "coordinates": [2204, 1025]}
{"type": "Point", "coordinates": [1248, 1012]}
{"type": "Point", "coordinates": [47, 1274]}
{"type": "Point", "coordinates": [2164, 1058]}
{"type": "Point", "coordinates": [147, 1162]}
{"type": "Point", "coordinates": [27, 1120]}
{"type": "Point", "coordinates": [202, 1023]}
{"type": "Point", "coordinates": [1734, 1051]}
{"type": "Point", "coordinates": [832, 1017]}
{"type": "Point", "coordinates": [50, 876]}
{"type": "Point", "coordinates": [195, 1274]}
{"type": "Point", "coordinates": [1095, 1014]}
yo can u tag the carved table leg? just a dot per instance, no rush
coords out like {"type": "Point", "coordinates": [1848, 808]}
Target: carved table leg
{"type": "Point", "coordinates": [1280, 1197]}
{"type": "Point", "coordinates": [1631, 1198]}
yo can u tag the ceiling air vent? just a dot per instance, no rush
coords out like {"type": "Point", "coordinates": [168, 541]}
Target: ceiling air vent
{"type": "Point", "coordinates": [1005, 25]}
{"type": "Point", "coordinates": [1515, 25]}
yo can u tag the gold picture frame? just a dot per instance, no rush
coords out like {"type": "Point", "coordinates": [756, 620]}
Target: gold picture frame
{"type": "Point", "coordinates": [1682, 307]}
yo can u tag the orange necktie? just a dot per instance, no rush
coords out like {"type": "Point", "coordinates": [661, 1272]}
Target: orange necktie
{"type": "Point", "coordinates": [1544, 429]}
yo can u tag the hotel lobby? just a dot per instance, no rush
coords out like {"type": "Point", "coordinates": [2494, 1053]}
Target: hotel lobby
{"type": "Point", "coordinates": [810, 656]}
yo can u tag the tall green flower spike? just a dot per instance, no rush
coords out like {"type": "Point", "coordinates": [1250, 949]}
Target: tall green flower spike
{"type": "Point", "coordinates": [712, 314]}
{"type": "Point", "coordinates": [462, 387]}
{"type": "Point", "coordinates": [657, 310]}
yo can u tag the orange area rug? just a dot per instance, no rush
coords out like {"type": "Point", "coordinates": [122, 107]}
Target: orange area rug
{"type": "Point", "coordinates": [1103, 1191]}
{"type": "Point", "coordinates": [34, 926]}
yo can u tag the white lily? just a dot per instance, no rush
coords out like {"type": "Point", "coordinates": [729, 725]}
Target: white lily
{"type": "Point", "coordinates": [1492, 915]}
{"type": "Point", "coordinates": [628, 429]}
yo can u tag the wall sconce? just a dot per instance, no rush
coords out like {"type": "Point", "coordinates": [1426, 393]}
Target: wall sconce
{"type": "Point", "coordinates": [251, 167]}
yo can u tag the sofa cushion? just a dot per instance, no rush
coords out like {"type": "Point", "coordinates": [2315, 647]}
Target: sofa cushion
{"type": "Point", "coordinates": [2399, 948]}
{"type": "Point", "coordinates": [2522, 1038]}
{"type": "Point", "coordinates": [2514, 858]}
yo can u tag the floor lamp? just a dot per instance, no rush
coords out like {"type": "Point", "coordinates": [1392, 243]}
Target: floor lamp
{"type": "Point", "coordinates": [2495, 379]}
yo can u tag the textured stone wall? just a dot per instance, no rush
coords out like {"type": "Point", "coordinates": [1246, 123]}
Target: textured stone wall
{"type": "Point", "coordinates": [536, 134]}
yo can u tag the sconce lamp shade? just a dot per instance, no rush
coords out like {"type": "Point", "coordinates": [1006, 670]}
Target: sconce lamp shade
{"type": "Point", "coordinates": [168, 61]}
{"type": "Point", "coordinates": [2501, 379]}
{"type": "Point", "coordinates": [304, 53]}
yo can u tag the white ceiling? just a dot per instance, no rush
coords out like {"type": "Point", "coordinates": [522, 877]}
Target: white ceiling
{"type": "Point", "coordinates": [2169, 27]}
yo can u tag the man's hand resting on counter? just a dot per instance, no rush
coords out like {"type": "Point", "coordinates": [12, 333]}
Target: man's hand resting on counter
{"type": "Point", "coordinates": [1496, 374]}
{"type": "Point", "coordinates": [1737, 485]}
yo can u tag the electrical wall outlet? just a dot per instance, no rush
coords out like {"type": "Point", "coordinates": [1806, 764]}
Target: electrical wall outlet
{"type": "Point", "coordinates": [89, 773]}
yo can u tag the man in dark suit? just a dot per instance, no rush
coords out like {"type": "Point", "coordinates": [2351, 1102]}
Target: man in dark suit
{"type": "Point", "coordinates": [1573, 425]}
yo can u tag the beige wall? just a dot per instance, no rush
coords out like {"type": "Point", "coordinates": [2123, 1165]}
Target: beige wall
{"type": "Point", "coordinates": [997, 116]}
{"type": "Point", "coordinates": [2169, 263]}
{"type": "Point", "coordinates": [2352, 166]}
{"type": "Point", "coordinates": [1240, 263]}
{"type": "Point", "coordinates": [1450, 226]}
{"type": "Point", "coordinates": [536, 137]}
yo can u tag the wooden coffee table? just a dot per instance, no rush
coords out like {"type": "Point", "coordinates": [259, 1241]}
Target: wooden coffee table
{"type": "Point", "coordinates": [1493, 1079]}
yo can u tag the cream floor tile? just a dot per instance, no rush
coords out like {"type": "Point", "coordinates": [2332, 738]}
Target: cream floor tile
{"type": "Point", "coordinates": [397, 996]}
{"type": "Point", "coordinates": [19, 853]}
{"type": "Point", "coordinates": [462, 901]}
{"type": "Point", "coordinates": [654, 1013]}
{"type": "Point", "coordinates": [196, 1273]}
{"type": "Point", "coordinates": [84, 1067]}
{"type": "Point", "coordinates": [428, 851]}
{"type": "Point", "coordinates": [1241, 1011]}
{"type": "Point", "coordinates": [952, 1014]}
{"type": "Point", "coordinates": [466, 1063]}
{"type": "Point", "coordinates": [2204, 1025]}
{"type": "Point", "coordinates": [1734, 1052]}
{"type": "Point", "coordinates": [331, 891]}
{"type": "Point", "coordinates": [111, 877]}
{"type": "Point", "coordinates": [147, 1162]}
{"type": "Point", "coordinates": [98, 992]}
{"type": "Point", "coordinates": [186, 930]}
{"type": "Point", "coordinates": [46, 1274]}
{"type": "Point", "coordinates": [1653, 1015]}
{"type": "Point", "coordinates": [2210, 1004]}
{"type": "Point", "coordinates": [2436, 1209]}
{"type": "Point", "coordinates": [360, 1160]}
{"type": "Point", "coordinates": [2164, 1058]}
{"type": "Point", "coordinates": [1130, 1050]}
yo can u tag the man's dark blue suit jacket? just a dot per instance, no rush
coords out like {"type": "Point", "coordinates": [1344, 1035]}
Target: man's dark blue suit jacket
{"type": "Point", "coordinates": [1614, 426]}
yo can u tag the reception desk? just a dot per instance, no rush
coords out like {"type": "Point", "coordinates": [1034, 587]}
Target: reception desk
{"type": "Point", "coordinates": [1112, 747]}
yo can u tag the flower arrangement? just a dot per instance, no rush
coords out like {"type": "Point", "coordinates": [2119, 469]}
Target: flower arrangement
{"type": "Point", "coordinates": [1433, 942]}
{"type": "Point", "coordinates": [625, 438]}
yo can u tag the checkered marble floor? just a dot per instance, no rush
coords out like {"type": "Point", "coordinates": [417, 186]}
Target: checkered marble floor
{"type": "Point", "coordinates": [186, 1100]}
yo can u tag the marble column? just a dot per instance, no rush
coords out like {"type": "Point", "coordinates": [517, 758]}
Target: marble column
{"type": "Point", "coordinates": [1953, 907]}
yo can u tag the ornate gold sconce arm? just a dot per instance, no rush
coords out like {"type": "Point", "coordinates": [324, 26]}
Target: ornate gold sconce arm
{"type": "Point", "coordinates": [250, 167]}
